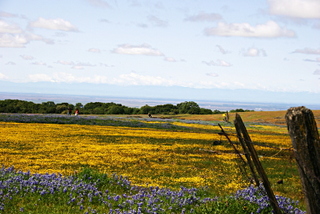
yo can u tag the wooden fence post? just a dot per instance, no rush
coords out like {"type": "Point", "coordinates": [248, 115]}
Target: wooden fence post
{"type": "Point", "coordinates": [304, 135]}
{"type": "Point", "coordinates": [242, 131]}
{"type": "Point", "coordinates": [246, 151]}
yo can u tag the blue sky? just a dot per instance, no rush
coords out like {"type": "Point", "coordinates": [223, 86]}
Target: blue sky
{"type": "Point", "coordinates": [263, 45]}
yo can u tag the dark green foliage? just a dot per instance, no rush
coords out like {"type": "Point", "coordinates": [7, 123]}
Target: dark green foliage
{"type": "Point", "coordinates": [240, 110]}
{"type": "Point", "coordinates": [49, 107]}
{"type": "Point", "coordinates": [188, 107]}
{"type": "Point", "coordinates": [217, 112]}
{"type": "Point", "coordinates": [146, 109]}
{"type": "Point", "coordinates": [205, 111]}
{"type": "Point", "coordinates": [15, 106]}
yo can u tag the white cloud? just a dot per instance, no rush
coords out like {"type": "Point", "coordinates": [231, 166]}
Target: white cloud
{"type": "Point", "coordinates": [9, 28]}
{"type": "Point", "coordinates": [295, 8]}
{"type": "Point", "coordinates": [94, 50]}
{"type": "Point", "coordinates": [212, 74]}
{"type": "Point", "coordinates": [219, 62]}
{"type": "Point", "coordinates": [35, 37]}
{"type": "Point", "coordinates": [64, 77]}
{"type": "Point", "coordinates": [143, 49]}
{"type": "Point", "coordinates": [53, 24]}
{"type": "Point", "coordinates": [316, 72]}
{"type": "Point", "coordinates": [221, 84]}
{"type": "Point", "coordinates": [13, 41]}
{"type": "Point", "coordinates": [170, 59]}
{"type": "Point", "coordinates": [39, 63]}
{"type": "Point", "coordinates": [308, 51]}
{"type": "Point", "coordinates": [78, 65]}
{"type": "Point", "coordinates": [157, 22]}
{"type": "Point", "coordinates": [62, 62]}
{"type": "Point", "coordinates": [40, 78]}
{"type": "Point", "coordinates": [202, 17]}
{"type": "Point", "coordinates": [136, 79]}
{"type": "Point", "coordinates": [268, 30]}
{"type": "Point", "coordinates": [20, 40]}
{"type": "Point", "coordinates": [81, 65]}
{"type": "Point", "coordinates": [254, 52]}
{"type": "Point", "coordinates": [3, 77]}
{"type": "Point", "coordinates": [27, 57]}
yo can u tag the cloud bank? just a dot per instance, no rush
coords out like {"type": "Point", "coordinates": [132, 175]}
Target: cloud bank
{"type": "Point", "coordinates": [53, 24]}
{"type": "Point", "coordinates": [268, 30]}
{"type": "Point", "coordinates": [143, 49]}
{"type": "Point", "coordinates": [307, 9]}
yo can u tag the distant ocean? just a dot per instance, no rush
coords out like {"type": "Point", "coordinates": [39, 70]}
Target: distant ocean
{"type": "Point", "coordinates": [138, 102]}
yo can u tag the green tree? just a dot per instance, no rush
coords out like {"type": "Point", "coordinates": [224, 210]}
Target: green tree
{"type": "Point", "coordinates": [61, 107]}
{"type": "Point", "coordinates": [89, 107]}
{"type": "Point", "coordinates": [98, 110]}
{"type": "Point", "coordinates": [188, 107]}
{"type": "Point", "coordinates": [205, 111]}
{"type": "Point", "coordinates": [115, 109]}
{"type": "Point", "coordinates": [78, 106]}
{"type": "Point", "coordinates": [48, 107]}
{"type": "Point", "coordinates": [129, 110]}
{"type": "Point", "coordinates": [165, 109]}
{"type": "Point", "coordinates": [146, 109]}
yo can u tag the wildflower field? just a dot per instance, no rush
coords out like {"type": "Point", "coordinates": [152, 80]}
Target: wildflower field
{"type": "Point", "coordinates": [167, 160]}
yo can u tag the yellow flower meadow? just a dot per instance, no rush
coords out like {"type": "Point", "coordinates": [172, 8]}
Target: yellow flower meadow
{"type": "Point", "coordinates": [147, 156]}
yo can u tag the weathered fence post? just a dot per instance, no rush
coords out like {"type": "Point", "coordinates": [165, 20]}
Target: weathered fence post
{"type": "Point", "coordinates": [246, 151]}
{"type": "Point", "coordinates": [243, 134]}
{"type": "Point", "coordinates": [305, 140]}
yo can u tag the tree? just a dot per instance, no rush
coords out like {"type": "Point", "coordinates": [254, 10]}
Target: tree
{"type": "Point", "coordinates": [89, 107]}
{"type": "Point", "coordinates": [128, 110]}
{"type": "Point", "coordinates": [217, 112]}
{"type": "Point", "coordinates": [166, 109]}
{"type": "Point", "coordinates": [205, 111]}
{"type": "Point", "coordinates": [61, 107]}
{"type": "Point", "coordinates": [188, 107]}
{"type": "Point", "coordinates": [98, 110]}
{"type": "Point", "coordinates": [48, 107]}
{"type": "Point", "coordinates": [146, 109]}
{"type": "Point", "coordinates": [115, 109]}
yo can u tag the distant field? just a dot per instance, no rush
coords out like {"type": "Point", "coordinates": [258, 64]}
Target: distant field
{"type": "Point", "coordinates": [266, 117]}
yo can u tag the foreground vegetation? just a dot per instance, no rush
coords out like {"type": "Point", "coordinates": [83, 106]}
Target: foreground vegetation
{"type": "Point", "coordinates": [158, 157]}
{"type": "Point", "coordinates": [93, 192]}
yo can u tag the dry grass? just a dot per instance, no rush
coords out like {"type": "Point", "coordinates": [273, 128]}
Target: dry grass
{"type": "Point", "coordinates": [264, 117]}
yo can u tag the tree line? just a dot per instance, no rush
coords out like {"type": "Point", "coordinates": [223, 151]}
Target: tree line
{"type": "Point", "coordinates": [49, 107]}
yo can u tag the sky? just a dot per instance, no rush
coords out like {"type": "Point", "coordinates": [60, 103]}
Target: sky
{"type": "Point", "coordinates": [82, 46]}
